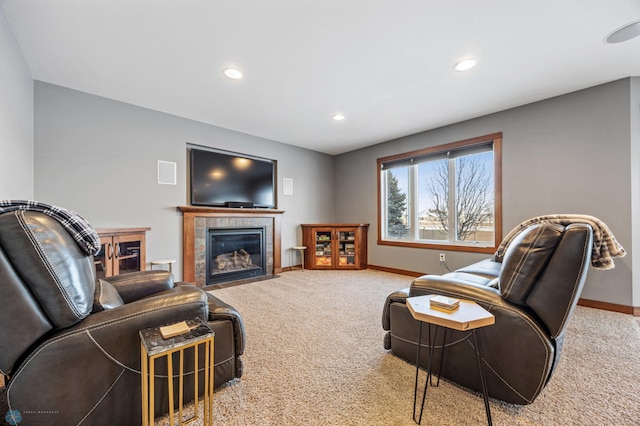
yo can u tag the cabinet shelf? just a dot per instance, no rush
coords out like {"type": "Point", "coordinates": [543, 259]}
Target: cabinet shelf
{"type": "Point", "coordinates": [129, 256]}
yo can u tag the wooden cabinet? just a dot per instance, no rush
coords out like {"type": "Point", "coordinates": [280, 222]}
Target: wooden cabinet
{"type": "Point", "coordinates": [123, 250]}
{"type": "Point", "coordinates": [335, 246]}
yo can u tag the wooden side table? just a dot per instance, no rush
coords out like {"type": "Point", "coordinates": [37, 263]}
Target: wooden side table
{"type": "Point", "coordinates": [469, 316]}
{"type": "Point", "coordinates": [153, 347]}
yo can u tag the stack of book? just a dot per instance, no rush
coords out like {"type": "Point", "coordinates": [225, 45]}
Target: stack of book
{"type": "Point", "coordinates": [444, 303]}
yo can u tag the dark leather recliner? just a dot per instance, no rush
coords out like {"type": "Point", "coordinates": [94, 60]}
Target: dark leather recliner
{"type": "Point", "coordinates": [69, 344]}
{"type": "Point", "coordinates": [532, 291]}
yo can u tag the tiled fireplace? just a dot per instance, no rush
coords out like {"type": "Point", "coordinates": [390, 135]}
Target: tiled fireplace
{"type": "Point", "coordinates": [221, 244]}
{"type": "Point", "coordinates": [235, 253]}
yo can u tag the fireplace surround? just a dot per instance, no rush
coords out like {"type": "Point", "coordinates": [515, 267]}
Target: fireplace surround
{"type": "Point", "coordinates": [198, 220]}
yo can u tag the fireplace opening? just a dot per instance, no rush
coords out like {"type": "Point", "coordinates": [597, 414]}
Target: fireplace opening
{"type": "Point", "coordinates": [234, 254]}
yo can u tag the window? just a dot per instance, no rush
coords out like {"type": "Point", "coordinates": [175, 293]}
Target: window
{"type": "Point", "coordinates": [445, 197]}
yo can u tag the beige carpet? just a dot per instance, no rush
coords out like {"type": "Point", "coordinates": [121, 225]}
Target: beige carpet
{"type": "Point", "coordinates": [314, 356]}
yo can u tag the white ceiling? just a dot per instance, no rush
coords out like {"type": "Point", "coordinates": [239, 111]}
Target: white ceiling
{"type": "Point", "coordinates": [387, 65]}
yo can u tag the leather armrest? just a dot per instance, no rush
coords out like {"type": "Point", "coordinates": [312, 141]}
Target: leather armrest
{"type": "Point", "coordinates": [396, 296]}
{"type": "Point", "coordinates": [162, 308]}
{"type": "Point", "coordinates": [219, 310]}
{"type": "Point", "coordinates": [137, 285]}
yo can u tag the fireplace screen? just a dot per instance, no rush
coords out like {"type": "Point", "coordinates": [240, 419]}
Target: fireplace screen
{"type": "Point", "coordinates": [234, 254]}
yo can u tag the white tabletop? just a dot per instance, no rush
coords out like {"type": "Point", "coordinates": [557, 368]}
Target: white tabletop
{"type": "Point", "coordinates": [467, 316]}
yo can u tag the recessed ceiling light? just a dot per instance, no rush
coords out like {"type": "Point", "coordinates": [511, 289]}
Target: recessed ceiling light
{"type": "Point", "coordinates": [338, 117]}
{"type": "Point", "coordinates": [465, 65]}
{"type": "Point", "coordinates": [624, 33]}
{"type": "Point", "coordinates": [233, 73]}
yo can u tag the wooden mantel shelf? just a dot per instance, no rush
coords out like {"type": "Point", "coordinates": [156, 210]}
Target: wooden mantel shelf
{"type": "Point", "coordinates": [197, 209]}
{"type": "Point", "coordinates": [191, 213]}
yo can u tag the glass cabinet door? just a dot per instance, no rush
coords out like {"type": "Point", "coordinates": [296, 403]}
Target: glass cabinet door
{"type": "Point", "coordinates": [323, 249]}
{"type": "Point", "coordinates": [122, 251]}
{"type": "Point", "coordinates": [127, 254]}
{"type": "Point", "coordinates": [347, 248]}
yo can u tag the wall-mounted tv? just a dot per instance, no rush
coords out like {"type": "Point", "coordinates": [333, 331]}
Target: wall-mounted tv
{"type": "Point", "coordinates": [227, 179]}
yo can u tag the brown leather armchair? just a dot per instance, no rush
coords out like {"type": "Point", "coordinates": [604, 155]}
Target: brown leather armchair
{"type": "Point", "coordinates": [69, 344]}
{"type": "Point", "coordinates": [532, 290]}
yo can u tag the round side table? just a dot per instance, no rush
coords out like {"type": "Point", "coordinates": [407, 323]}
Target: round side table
{"type": "Point", "coordinates": [301, 250]}
{"type": "Point", "coordinates": [163, 262]}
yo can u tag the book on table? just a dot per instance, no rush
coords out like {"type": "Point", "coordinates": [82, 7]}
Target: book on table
{"type": "Point", "coordinates": [444, 302]}
{"type": "Point", "coordinates": [174, 329]}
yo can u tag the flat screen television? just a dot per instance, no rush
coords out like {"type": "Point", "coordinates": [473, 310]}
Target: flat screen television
{"type": "Point", "coordinates": [226, 179]}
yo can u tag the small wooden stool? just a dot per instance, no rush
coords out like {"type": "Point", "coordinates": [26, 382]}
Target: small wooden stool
{"type": "Point", "coordinates": [163, 262]}
{"type": "Point", "coordinates": [301, 249]}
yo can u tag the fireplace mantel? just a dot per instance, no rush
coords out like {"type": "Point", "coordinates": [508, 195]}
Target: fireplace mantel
{"type": "Point", "coordinates": [223, 211]}
{"type": "Point", "coordinates": [192, 213]}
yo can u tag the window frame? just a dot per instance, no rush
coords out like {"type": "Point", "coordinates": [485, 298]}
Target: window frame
{"type": "Point", "coordinates": [496, 140]}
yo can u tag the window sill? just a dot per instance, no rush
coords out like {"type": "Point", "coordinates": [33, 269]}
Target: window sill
{"type": "Point", "coordinates": [430, 246]}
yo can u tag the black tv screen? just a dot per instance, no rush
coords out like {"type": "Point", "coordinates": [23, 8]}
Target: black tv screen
{"type": "Point", "coordinates": [224, 179]}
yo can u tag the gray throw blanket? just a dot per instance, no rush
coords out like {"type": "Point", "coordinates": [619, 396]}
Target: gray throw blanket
{"type": "Point", "coordinates": [605, 246]}
{"type": "Point", "coordinates": [76, 226]}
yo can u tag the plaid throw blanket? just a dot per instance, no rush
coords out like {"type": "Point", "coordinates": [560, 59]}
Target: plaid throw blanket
{"type": "Point", "coordinates": [76, 226]}
{"type": "Point", "coordinates": [605, 246]}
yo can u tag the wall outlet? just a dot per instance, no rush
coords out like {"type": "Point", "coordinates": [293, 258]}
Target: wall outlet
{"type": "Point", "coordinates": [441, 257]}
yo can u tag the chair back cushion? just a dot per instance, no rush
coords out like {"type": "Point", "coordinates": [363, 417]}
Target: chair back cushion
{"type": "Point", "coordinates": [51, 264]}
{"type": "Point", "coordinates": [558, 288]}
{"type": "Point", "coordinates": [525, 258]}
{"type": "Point", "coordinates": [22, 322]}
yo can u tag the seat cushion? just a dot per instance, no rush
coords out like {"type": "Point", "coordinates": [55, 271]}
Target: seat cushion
{"type": "Point", "coordinates": [467, 278]}
{"type": "Point", "coordinates": [525, 258]}
{"type": "Point", "coordinates": [485, 268]}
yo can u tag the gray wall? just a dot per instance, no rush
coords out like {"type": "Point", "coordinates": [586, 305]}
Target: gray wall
{"type": "Point", "coordinates": [568, 154]}
{"type": "Point", "coordinates": [573, 153]}
{"type": "Point", "coordinates": [634, 160]}
{"type": "Point", "coordinates": [16, 118]}
{"type": "Point", "coordinates": [98, 157]}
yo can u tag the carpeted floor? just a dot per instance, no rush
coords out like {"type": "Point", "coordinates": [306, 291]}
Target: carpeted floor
{"type": "Point", "coordinates": [314, 356]}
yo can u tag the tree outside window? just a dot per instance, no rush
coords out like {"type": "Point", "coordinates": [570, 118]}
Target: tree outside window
{"type": "Point", "coordinates": [396, 207]}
